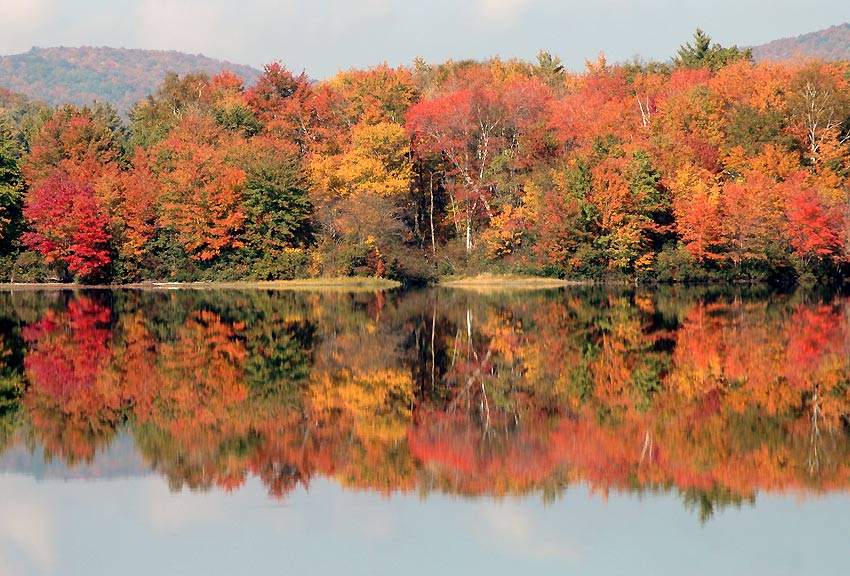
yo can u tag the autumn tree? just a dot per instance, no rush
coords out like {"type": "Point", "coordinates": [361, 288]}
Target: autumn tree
{"type": "Point", "coordinates": [69, 224]}
{"type": "Point", "coordinates": [379, 94]}
{"type": "Point", "coordinates": [136, 215]}
{"type": "Point", "coordinates": [475, 126]}
{"type": "Point", "coordinates": [80, 143]}
{"type": "Point", "coordinates": [814, 227]}
{"type": "Point", "coordinates": [202, 191]}
{"type": "Point", "coordinates": [229, 106]}
{"type": "Point", "coordinates": [293, 109]}
{"type": "Point", "coordinates": [820, 107]}
{"type": "Point", "coordinates": [697, 207]}
{"type": "Point", "coordinates": [752, 219]}
{"type": "Point", "coordinates": [460, 127]}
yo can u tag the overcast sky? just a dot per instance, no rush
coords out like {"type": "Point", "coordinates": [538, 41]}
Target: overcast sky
{"type": "Point", "coordinates": [323, 36]}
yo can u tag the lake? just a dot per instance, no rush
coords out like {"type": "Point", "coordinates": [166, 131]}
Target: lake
{"type": "Point", "coordinates": [565, 431]}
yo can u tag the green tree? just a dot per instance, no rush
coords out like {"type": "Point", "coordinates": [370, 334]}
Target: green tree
{"type": "Point", "coordinates": [152, 119]}
{"type": "Point", "coordinates": [703, 54]}
{"type": "Point", "coordinates": [11, 188]}
{"type": "Point", "coordinates": [277, 209]}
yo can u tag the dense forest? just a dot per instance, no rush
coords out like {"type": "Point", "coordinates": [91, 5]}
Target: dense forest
{"type": "Point", "coordinates": [119, 76]}
{"type": "Point", "coordinates": [710, 167]}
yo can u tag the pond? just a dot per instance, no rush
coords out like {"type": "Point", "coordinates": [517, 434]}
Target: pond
{"type": "Point", "coordinates": [572, 430]}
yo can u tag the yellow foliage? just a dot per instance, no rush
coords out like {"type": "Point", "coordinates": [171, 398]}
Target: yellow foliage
{"type": "Point", "coordinates": [378, 161]}
{"type": "Point", "coordinates": [505, 232]}
{"type": "Point", "coordinates": [379, 402]}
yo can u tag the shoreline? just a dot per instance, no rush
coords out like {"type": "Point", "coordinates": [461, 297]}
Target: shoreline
{"type": "Point", "coordinates": [480, 283]}
{"type": "Point", "coordinates": [483, 281]}
{"type": "Point", "coordinates": [341, 283]}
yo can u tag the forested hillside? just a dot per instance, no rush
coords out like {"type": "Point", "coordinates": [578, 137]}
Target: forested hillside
{"type": "Point", "coordinates": [711, 167]}
{"type": "Point", "coordinates": [830, 44]}
{"type": "Point", "coordinates": [116, 75]}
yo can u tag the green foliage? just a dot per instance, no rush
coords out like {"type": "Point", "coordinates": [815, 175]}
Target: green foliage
{"type": "Point", "coordinates": [152, 119]}
{"type": "Point", "coordinates": [675, 264]}
{"type": "Point", "coordinates": [275, 199]}
{"type": "Point", "coordinates": [31, 267]}
{"type": "Point", "coordinates": [237, 119]}
{"type": "Point", "coordinates": [287, 264]}
{"type": "Point", "coordinates": [168, 260]}
{"type": "Point", "coordinates": [11, 189]}
{"type": "Point", "coordinates": [12, 389]}
{"type": "Point", "coordinates": [352, 259]}
{"type": "Point", "coordinates": [703, 54]}
{"type": "Point", "coordinates": [751, 128]}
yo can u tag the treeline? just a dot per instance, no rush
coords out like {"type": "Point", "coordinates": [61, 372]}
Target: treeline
{"type": "Point", "coordinates": [707, 168]}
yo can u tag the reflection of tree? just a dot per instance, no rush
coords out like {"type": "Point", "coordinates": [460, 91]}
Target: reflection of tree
{"type": "Point", "coordinates": [202, 378]}
{"type": "Point", "coordinates": [73, 399]}
{"type": "Point", "coordinates": [11, 391]}
{"type": "Point", "coordinates": [707, 502]}
{"type": "Point", "coordinates": [720, 406]}
{"type": "Point", "coordinates": [201, 461]}
{"type": "Point", "coordinates": [11, 371]}
{"type": "Point", "coordinates": [716, 396]}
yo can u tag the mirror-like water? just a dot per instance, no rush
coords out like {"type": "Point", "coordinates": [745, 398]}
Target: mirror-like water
{"type": "Point", "coordinates": [588, 430]}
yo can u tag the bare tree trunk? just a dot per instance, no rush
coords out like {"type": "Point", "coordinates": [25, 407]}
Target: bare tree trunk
{"type": "Point", "coordinates": [647, 448]}
{"type": "Point", "coordinates": [433, 240]}
{"type": "Point", "coordinates": [814, 436]}
{"type": "Point", "coordinates": [433, 353]}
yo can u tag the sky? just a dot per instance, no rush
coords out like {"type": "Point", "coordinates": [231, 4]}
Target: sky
{"type": "Point", "coordinates": [325, 36]}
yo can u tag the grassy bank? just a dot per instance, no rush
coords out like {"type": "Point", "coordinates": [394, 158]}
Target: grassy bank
{"type": "Point", "coordinates": [490, 281]}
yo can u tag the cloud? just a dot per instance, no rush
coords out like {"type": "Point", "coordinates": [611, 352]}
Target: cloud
{"type": "Point", "coordinates": [510, 524]}
{"type": "Point", "coordinates": [20, 21]}
{"type": "Point", "coordinates": [190, 26]}
{"type": "Point", "coordinates": [235, 31]}
{"type": "Point", "coordinates": [26, 531]}
{"type": "Point", "coordinates": [28, 14]}
{"type": "Point", "coordinates": [502, 11]}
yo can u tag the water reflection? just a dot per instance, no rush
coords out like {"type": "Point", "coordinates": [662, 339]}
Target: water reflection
{"type": "Point", "coordinates": [713, 395]}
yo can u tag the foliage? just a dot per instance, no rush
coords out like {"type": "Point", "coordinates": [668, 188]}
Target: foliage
{"type": "Point", "coordinates": [715, 168]}
{"type": "Point", "coordinates": [11, 188]}
{"type": "Point", "coordinates": [69, 225]}
{"type": "Point", "coordinates": [703, 54]}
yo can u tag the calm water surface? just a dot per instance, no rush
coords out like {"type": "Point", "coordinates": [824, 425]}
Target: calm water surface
{"type": "Point", "coordinates": [430, 432]}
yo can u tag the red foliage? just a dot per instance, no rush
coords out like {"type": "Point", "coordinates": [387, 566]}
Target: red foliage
{"type": "Point", "coordinates": [814, 228]}
{"type": "Point", "coordinates": [74, 143]}
{"type": "Point", "coordinates": [69, 224]}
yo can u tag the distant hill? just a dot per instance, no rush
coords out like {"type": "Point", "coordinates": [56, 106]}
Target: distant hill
{"type": "Point", "coordinates": [116, 75]}
{"type": "Point", "coordinates": [830, 44]}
